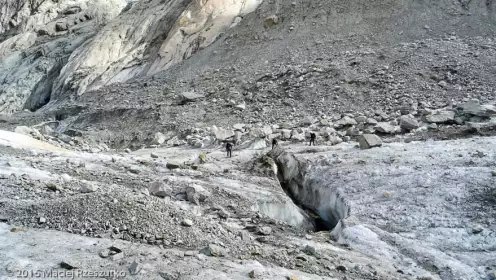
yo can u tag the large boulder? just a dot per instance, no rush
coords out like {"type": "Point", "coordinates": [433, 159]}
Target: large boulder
{"type": "Point", "coordinates": [367, 141]}
{"type": "Point", "coordinates": [61, 26]}
{"type": "Point", "coordinates": [473, 107]}
{"type": "Point", "coordinates": [239, 126]}
{"type": "Point", "coordinates": [298, 137]}
{"type": "Point", "coordinates": [286, 134]}
{"type": "Point", "coordinates": [87, 187]}
{"type": "Point", "coordinates": [223, 134]}
{"type": "Point", "coordinates": [189, 96]}
{"type": "Point", "coordinates": [442, 116]}
{"type": "Point", "coordinates": [158, 189]}
{"type": "Point", "coordinates": [261, 131]}
{"type": "Point", "coordinates": [158, 138]}
{"type": "Point", "coordinates": [47, 130]}
{"type": "Point", "coordinates": [23, 130]}
{"type": "Point", "coordinates": [334, 140]}
{"type": "Point", "coordinates": [213, 250]}
{"type": "Point", "coordinates": [271, 21]}
{"type": "Point", "coordinates": [346, 121]}
{"type": "Point", "coordinates": [408, 123]}
{"type": "Point", "coordinates": [385, 127]}
{"type": "Point", "coordinates": [196, 194]}
{"type": "Point", "coordinates": [491, 124]}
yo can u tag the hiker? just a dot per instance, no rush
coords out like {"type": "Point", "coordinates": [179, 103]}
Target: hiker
{"type": "Point", "coordinates": [229, 149]}
{"type": "Point", "coordinates": [274, 143]}
{"type": "Point", "coordinates": [312, 138]}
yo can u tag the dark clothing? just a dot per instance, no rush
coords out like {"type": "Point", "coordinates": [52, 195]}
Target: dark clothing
{"type": "Point", "coordinates": [229, 149]}
{"type": "Point", "coordinates": [312, 138]}
{"type": "Point", "coordinates": [274, 143]}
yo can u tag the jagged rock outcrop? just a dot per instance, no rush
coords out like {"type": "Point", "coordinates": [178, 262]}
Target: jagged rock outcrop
{"type": "Point", "coordinates": [37, 38]}
{"type": "Point", "coordinates": [149, 38]}
{"type": "Point", "coordinates": [54, 48]}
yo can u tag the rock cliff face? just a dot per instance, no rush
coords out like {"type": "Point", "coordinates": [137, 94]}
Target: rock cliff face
{"type": "Point", "coordinates": [37, 39]}
{"type": "Point", "coordinates": [51, 48]}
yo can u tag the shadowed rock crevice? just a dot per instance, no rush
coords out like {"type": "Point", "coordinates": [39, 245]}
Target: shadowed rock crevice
{"type": "Point", "coordinates": [323, 202]}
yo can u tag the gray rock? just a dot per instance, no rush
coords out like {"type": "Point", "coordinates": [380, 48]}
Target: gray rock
{"type": "Point", "coordinates": [237, 137]}
{"type": "Point", "coordinates": [223, 134]}
{"type": "Point", "coordinates": [307, 121]}
{"type": "Point", "coordinates": [256, 273]}
{"type": "Point", "coordinates": [72, 10]}
{"type": "Point", "coordinates": [341, 268]}
{"type": "Point", "coordinates": [61, 26]}
{"type": "Point", "coordinates": [352, 131]}
{"type": "Point", "coordinates": [310, 250]}
{"type": "Point", "coordinates": [298, 138]}
{"type": "Point", "coordinates": [168, 275]}
{"type": "Point", "coordinates": [367, 141]}
{"type": "Point", "coordinates": [361, 119]}
{"type": "Point", "coordinates": [265, 230]}
{"type": "Point", "coordinates": [407, 123]}
{"type": "Point", "coordinates": [491, 275]}
{"type": "Point", "coordinates": [198, 144]}
{"type": "Point", "coordinates": [473, 107]}
{"type": "Point", "coordinates": [324, 122]}
{"type": "Point", "coordinates": [440, 117]}
{"type": "Point", "coordinates": [346, 121]}
{"type": "Point", "coordinates": [23, 130]}
{"type": "Point", "coordinates": [196, 194]}
{"type": "Point", "coordinates": [192, 196]}
{"type": "Point", "coordinates": [158, 139]}
{"type": "Point", "coordinates": [239, 126]}
{"type": "Point", "coordinates": [105, 253]}
{"type": "Point", "coordinates": [245, 236]}
{"type": "Point", "coordinates": [459, 121]}
{"type": "Point", "coordinates": [334, 140]}
{"type": "Point", "coordinates": [371, 121]}
{"type": "Point", "coordinates": [64, 138]}
{"type": "Point", "coordinates": [68, 265]}
{"type": "Point", "coordinates": [213, 251]}
{"type": "Point", "coordinates": [41, 220]}
{"type": "Point", "coordinates": [432, 126]}
{"type": "Point", "coordinates": [385, 127]}
{"type": "Point", "coordinates": [53, 187]}
{"type": "Point", "coordinates": [286, 134]}
{"type": "Point", "coordinates": [189, 96]}
{"type": "Point", "coordinates": [135, 268]}
{"type": "Point", "coordinates": [223, 213]}
{"type": "Point", "coordinates": [158, 189]}
{"type": "Point", "coordinates": [187, 222]}
{"type": "Point", "coordinates": [189, 253]}
{"type": "Point", "coordinates": [154, 155]}
{"type": "Point", "coordinates": [88, 187]}
{"type": "Point", "coordinates": [134, 169]}
{"type": "Point", "coordinates": [173, 165]}
{"type": "Point", "coordinates": [271, 21]}
{"type": "Point", "coordinates": [117, 256]}
{"type": "Point", "coordinates": [241, 106]}
{"type": "Point", "coordinates": [302, 257]}
{"type": "Point", "coordinates": [47, 130]}
{"type": "Point", "coordinates": [491, 124]}
{"type": "Point", "coordinates": [476, 229]}
{"type": "Point", "coordinates": [261, 131]}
